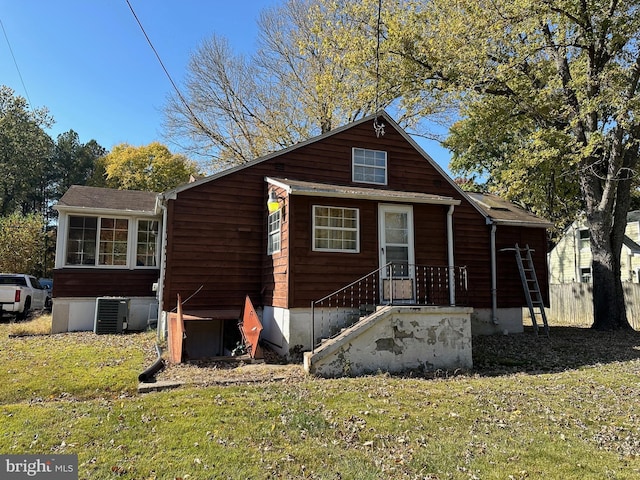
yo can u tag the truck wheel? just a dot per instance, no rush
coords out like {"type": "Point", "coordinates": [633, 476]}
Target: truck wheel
{"type": "Point", "coordinates": [25, 313]}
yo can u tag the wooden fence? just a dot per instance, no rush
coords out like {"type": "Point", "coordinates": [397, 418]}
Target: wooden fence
{"type": "Point", "coordinates": [572, 304]}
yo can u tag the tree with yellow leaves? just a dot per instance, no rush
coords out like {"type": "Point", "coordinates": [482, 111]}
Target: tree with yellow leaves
{"type": "Point", "coordinates": [150, 168]}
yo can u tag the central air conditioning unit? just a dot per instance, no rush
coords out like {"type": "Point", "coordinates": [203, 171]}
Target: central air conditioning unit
{"type": "Point", "coordinates": [112, 315]}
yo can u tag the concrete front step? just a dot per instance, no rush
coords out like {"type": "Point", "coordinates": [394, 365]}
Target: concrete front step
{"type": "Point", "coordinates": [397, 338]}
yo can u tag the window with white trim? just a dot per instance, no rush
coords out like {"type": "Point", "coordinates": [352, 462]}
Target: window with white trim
{"type": "Point", "coordinates": [81, 241]}
{"type": "Point", "coordinates": [147, 242]}
{"type": "Point", "coordinates": [114, 234]}
{"type": "Point", "coordinates": [273, 232]}
{"type": "Point", "coordinates": [585, 274]}
{"type": "Point", "coordinates": [369, 166]}
{"type": "Point", "coordinates": [336, 229]}
{"type": "Point", "coordinates": [584, 238]}
{"type": "Point", "coordinates": [110, 241]}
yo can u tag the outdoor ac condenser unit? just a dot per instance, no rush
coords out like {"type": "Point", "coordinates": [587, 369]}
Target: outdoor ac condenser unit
{"type": "Point", "coordinates": [112, 315]}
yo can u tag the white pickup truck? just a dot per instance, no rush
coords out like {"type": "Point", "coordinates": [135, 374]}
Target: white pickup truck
{"type": "Point", "coordinates": [21, 293]}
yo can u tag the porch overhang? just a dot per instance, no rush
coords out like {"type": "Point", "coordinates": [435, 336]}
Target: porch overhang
{"type": "Point", "coordinates": [312, 189]}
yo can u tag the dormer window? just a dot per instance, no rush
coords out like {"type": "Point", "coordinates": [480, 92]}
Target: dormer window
{"type": "Point", "coordinates": [369, 166]}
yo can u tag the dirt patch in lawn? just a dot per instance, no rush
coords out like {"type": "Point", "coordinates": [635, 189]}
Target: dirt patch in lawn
{"type": "Point", "coordinates": [565, 348]}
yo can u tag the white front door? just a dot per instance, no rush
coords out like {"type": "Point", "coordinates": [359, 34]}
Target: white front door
{"type": "Point", "coordinates": [396, 247]}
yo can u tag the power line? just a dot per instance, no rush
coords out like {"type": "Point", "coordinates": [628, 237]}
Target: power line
{"type": "Point", "coordinates": [15, 62]}
{"type": "Point", "coordinates": [378, 127]}
{"type": "Point", "coordinates": [175, 87]}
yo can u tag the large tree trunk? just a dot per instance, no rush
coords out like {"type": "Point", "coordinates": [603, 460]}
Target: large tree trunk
{"type": "Point", "coordinates": [607, 228]}
{"type": "Point", "coordinates": [609, 310]}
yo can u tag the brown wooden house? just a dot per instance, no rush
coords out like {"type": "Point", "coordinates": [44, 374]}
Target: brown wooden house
{"type": "Point", "coordinates": [346, 203]}
{"type": "Point", "coordinates": [344, 206]}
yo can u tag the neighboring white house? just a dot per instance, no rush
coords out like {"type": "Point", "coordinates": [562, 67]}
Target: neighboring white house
{"type": "Point", "coordinates": [570, 259]}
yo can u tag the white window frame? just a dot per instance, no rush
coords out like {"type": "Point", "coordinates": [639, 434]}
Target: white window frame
{"type": "Point", "coordinates": [68, 242]}
{"type": "Point", "coordinates": [584, 242]}
{"type": "Point", "coordinates": [274, 233]}
{"type": "Point", "coordinates": [99, 241]}
{"type": "Point", "coordinates": [132, 242]}
{"type": "Point", "coordinates": [315, 227]}
{"type": "Point", "coordinates": [359, 165]}
{"type": "Point", "coordinates": [585, 275]}
{"type": "Point", "coordinates": [136, 232]}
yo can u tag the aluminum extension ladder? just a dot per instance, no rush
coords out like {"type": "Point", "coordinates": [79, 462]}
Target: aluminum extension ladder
{"type": "Point", "coordinates": [531, 287]}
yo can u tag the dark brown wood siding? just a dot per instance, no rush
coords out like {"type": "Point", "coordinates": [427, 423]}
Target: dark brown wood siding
{"type": "Point", "coordinates": [275, 272]}
{"type": "Point", "coordinates": [509, 286]}
{"type": "Point", "coordinates": [216, 244]}
{"type": "Point", "coordinates": [472, 247]}
{"type": "Point", "coordinates": [216, 230]}
{"type": "Point", "coordinates": [82, 282]}
{"type": "Point", "coordinates": [309, 276]}
{"type": "Point", "coordinates": [315, 274]}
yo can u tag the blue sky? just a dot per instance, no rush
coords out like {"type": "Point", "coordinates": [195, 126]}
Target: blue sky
{"type": "Point", "coordinates": [89, 63]}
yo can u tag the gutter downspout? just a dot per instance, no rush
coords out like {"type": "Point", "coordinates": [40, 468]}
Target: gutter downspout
{"type": "Point", "coordinates": [494, 271]}
{"type": "Point", "coordinates": [452, 281]}
{"type": "Point", "coordinates": [163, 260]}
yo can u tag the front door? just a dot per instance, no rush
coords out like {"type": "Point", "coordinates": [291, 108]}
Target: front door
{"type": "Point", "coordinates": [396, 247]}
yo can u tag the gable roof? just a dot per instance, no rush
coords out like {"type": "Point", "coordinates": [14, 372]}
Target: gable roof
{"type": "Point", "coordinates": [516, 217]}
{"type": "Point", "coordinates": [503, 212]}
{"type": "Point", "coordinates": [633, 216]}
{"type": "Point", "coordinates": [80, 197]}
{"type": "Point", "coordinates": [170, 194]}
{"type": "Point", "coordinates": [633, 247]}
{"type": "Point", "coordinates": [297, 187]}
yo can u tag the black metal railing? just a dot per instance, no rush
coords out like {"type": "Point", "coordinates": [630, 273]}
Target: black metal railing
{"type": "Point", "coordinates": [392, 284]}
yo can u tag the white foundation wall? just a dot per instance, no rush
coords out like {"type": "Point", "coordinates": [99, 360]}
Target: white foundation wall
{"type": "Point", "coordinates": [78, 314]}
{"type": "Point", "coordinates": [286, 329]}
{"type": "Point", "coordinates": [398, 339]}
{"type": "Point", "coordinates": [508, 320]}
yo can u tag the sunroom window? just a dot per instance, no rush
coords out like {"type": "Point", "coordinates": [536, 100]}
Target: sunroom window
{"type": "Point", "coordinates": [108, 242]}
{"type": "Point", "coordinates": [114, 233]}
{"type": "Point", "coordinates": [81, 242]}
{"type": "Point", "coordinates": [369, 166]}
{"type": "Point", "coordinates": [147, 243]}
{"type": "Point", "coordinates": [336, 229]}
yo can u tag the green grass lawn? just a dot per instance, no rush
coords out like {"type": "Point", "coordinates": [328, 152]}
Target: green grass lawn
{"type": "Point", "coordinates": [76, 393]}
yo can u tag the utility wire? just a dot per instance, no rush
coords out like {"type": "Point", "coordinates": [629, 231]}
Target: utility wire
{"type": "Point", "coordinates": [175, 87]}
{"type": "Point", "coordinates": [378, 127]}
{"type": "Point", "coordinates": [15, 62]}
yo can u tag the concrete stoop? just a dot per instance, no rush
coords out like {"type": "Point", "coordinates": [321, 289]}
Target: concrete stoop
{"type": "Point", "coordinates": [395, 339]}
